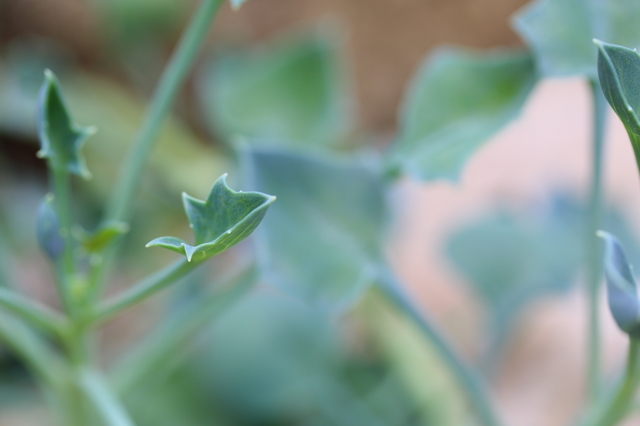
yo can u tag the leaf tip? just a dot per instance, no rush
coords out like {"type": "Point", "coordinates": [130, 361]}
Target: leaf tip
{"type": "Point", "coordinates": [189, 251]}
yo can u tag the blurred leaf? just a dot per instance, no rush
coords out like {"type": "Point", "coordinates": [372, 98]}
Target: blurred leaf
{"type": "Point", "coordinates": [48, 229]}
{"type": "Point", "coordinates": [290, 92]}
{"type": "Point", "coordinates": [131, 22]}
{"type": "Point", "coordinates": [559, 32]}
{"type": "Point", "coordinates": [223, 220]}
{"type": "Point", "coordinates": [619, 73]}
{"type": "Point", "coordinates": [60, 138]}
{"type": "Point", "coordinates": [98, 240]}
{"type": "Point", "coordinates": [268, 356]}
{"type": "Point", "coordinates": [321, 239]}
{"type": "Point", "coordinates": [512, 260]}
{"type": "Point", "coordinates": [456, 102]}
{"type": "Point", "coordinates": [622, 289]}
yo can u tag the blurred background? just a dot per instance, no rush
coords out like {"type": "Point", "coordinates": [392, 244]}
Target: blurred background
{"type": "Point", "coordinates": [493, 257]}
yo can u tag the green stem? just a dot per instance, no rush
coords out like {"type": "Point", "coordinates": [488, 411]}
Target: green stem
{"type": "Point", "coordinates": [32, 312]}
{"type": "Point", "coordinates": [103, 399]}
{"type": "Point", "coordinates": [618, 407]}
{"type": "Point", "coordinates": [593, 255]}
{"type": "Point", "coordinates": [467, 380]}
{"type": "Point", "coordinates": [34, 350]}
{"type": "Point", "coordinates": [172, 78]}
{"type": "Point", "coordinates": [170, 81]}
{"type": "Point", "coordinates": [164, 346]}
{"type": "Point", "coordinates": [5, 272]}
{"type": "Point", "coordinates": [65, 266]}
{"type": "Point", "coordinates": [143, 289]}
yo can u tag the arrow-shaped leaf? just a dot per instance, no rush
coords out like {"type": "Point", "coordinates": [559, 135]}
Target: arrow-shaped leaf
{"type": "Point", "coordinates": [619, 73]}
{"type": "Point", "coordinates": [622, 289]}
{"type": "Point", "coordinates": [60, 138]}
{"type": "Point", "coordinates": [559, 32]}
{"type": "Point", "coordinates": [223, 220]}
{"type": "Point", "coordinates": [291, 93]}
{"type": "Point", "coordinates": [457, 101]}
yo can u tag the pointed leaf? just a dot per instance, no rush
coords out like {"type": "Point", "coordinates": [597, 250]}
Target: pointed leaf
{"type": "Point", "coordinates": [48, 229]}
{"type": "Point", "coordinates": [456, 102]}
{"type": "Point", "coordinates": [622, 289]}
{"type": "Point", "coordinates": [223, 220]}
{"type": "Point", "coordinates": [60, 138]}
{"type": "Point", "coordinates": [559, 32]}
{"type": "Point", "coordinates": [106, 233]}
{"type": "Point", "coordinates": [619, 73]}
{"type": "Point", "coordinates": [321, 240]}
{"type": "Point", "coordinates": [286, 93]}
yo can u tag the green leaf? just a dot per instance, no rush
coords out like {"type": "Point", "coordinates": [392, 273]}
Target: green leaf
{"type": "Point", "coordinates": [286, 93]}
{"type": "Point", "coordinates": [98, 240]}
{"type": "Point", "coordinates": [223, 220]}
{"type": "Point", "coordinates": [321, 241]}
{"type": "Point", "coordinates": [622, 289]}
{"type": "Point", "coordinates": [510, 259]}
{"type": "Point", "coordinates": [619, 73]}
{"type": "Point", "coordinates": [60, 138]}
{"type": "Point", "coordinates": [559, 32]}
{"type": "Point", "coordinates": [457, 101]}
{"type": "Point", "coordinates": [48, 229]}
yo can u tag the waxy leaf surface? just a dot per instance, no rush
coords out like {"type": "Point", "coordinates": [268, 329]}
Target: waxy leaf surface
{"type": "Point", "coordinates": [622, 289]}
{"type": "Point", "coordinates": [321, 240]}
{"type": "Point", "coordinates": [456, 102]}
{"type": "Point", "coordinates": [224, 219]}
{"type": "Point", "coordinates": [619, 73]}
{"type": "Point", "coordinates": [60, 138]}
{"type": "Point", "coordinates": [290, 93]}
{"type": "Point", "coordinates": [560, 32]}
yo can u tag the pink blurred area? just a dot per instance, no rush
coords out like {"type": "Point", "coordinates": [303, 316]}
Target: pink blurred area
{"type": "Point", "coordinates": [547, 147]}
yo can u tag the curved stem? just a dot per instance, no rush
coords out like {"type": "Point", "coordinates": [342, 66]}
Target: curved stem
{"type": "Point", "coordinates": [34, 350]}
{"type": "Point", "coordinates": [103, 399]}
{"type": "Point", "coordinates": [143, 289]}
{"type": "Point", "coordinates": [32, 312]}
{"type": "Point", "coordinates": [593, 255]}
{"type": "Point", "coordinates": [170, 81]}
{"type": "Point", "coordinates": [618, 407]}
{"type": "Point", "coordinates": [467, 380]}
{"type": "Point", "coordinates": [164, 346]}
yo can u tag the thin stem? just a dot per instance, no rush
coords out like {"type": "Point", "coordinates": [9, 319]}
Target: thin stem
{"type": "Point", "coordinates": [144, 288]}
{"type": "Point", "coordinates": [38, 355]}
{"type": "Point", "coordinates": [103, 399]}
{"type": "Point", "coordinates": [171, 338]}
{"type": "Point", "coordinates": [32, 312]}
{"type": "Point", "coordinates": [5, 273]}
{"type": "Point", "coordinates": [618, 407]}
{"type": "Point", "coordinates": [170, 81]}
{"type": "Point", "coordinates": [173, 76]}
{"type": "Point", "coordinates": [65, 267]}
{"type": "Point", "coordinates": [593, 255]}
{"type": "Point", "coordinates": [467, 380]}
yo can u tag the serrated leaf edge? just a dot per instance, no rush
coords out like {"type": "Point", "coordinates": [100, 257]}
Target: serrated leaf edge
{"type": "Point", "coordinates": [188, 250]}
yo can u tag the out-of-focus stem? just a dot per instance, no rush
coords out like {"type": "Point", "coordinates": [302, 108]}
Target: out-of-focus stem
{"type": "Point", "coordinates": [593, 255]}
